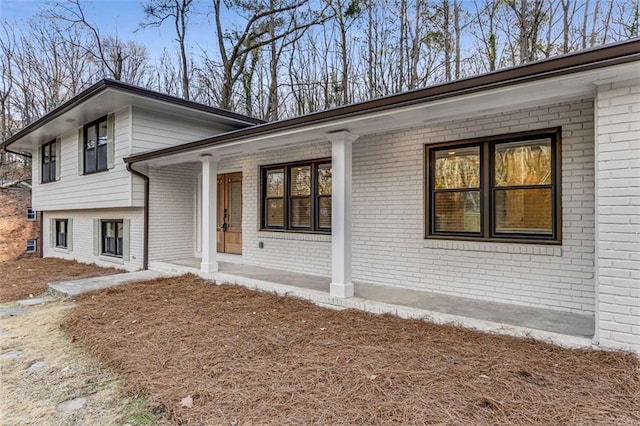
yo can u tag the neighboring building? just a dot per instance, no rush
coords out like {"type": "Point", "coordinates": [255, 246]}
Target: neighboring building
{"type": "Point", "coordinates": [19, 223]}
{"type": "Point", "coordinates": [521, 186]}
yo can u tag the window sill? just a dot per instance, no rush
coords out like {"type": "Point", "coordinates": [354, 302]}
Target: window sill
{"type": "Point", "coordinates": [94, 173]}
{"type": "Point", "coordinates": [61, 250]}
{"type": "Point", "coordinates": [494, 246]}
{"type": "Point", "coordinates": [297, 236]}
{"type": "Point", "coordinates": [111, 259]}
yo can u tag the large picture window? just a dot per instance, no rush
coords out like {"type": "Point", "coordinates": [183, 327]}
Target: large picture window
{"type": "Point", "coordinates": [95, 146]}
{"type": "Point", "coordinates": [297, 196]}
{"type": "Point", "coordinates": [112, 233]}
{"type": "Point", "coordinates": [499, 188]}
{"type": "Point", "coordinates": [48, 162]}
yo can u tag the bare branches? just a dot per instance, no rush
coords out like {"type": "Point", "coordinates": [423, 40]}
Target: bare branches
{"type": "Point", "coordinates": [159, 11]}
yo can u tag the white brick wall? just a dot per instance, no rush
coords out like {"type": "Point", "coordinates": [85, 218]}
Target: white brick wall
{"type": "Point", "coordinates": [388, 226]}
{"type": "Point", "coordinates": [618, 214]}
{"type": "Point", "coordinates": [172, 215]}
{"type": "Point", "coordinates": [388, 191]}
{"type": "Point", "coordinates": [82, 249]}
{"type": "Point", "coordinates": [171, 211]}
{"type": "Point", "coordinates": [306, 253]}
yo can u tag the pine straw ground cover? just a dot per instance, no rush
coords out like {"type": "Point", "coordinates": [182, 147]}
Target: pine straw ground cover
{"type": "Point", "coordinates": [29, 276]}
{"type": "Point", "coordinates": [251, 358]}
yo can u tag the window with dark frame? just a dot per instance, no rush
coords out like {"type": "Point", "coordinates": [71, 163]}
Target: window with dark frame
{"type": "Point", "coordinates": [112, 231]}
{"type": "Point", "coordinates": [95, 146]}
{"type": "Point", "coordinates": [48, 162]}
{"type": "Point", "coordinates": [502, 188]}
{"type": "Point", "coordinates": [297, 197]}
{"type": "Point", "coordinates": [61, 232]}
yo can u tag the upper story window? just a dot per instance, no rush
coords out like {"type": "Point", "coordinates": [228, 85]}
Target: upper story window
{"type": "Point", "coordinates": [31, 214]}
{"type": "Point", "coordinates": [499, 188]}
{"type": "Point", "coordinates": [297, 196]}
{"type": "Point", "coordinates": [95, 148]}
{"type": "Point", "coordinates": [48, 162]}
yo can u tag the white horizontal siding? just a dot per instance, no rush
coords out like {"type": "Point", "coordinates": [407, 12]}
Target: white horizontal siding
{"type": "Point", "coordinates": [83, 236]}
{"type": "Point", "coordinates": [154, 130]}
{"type": "Point", "coordinates": [72, 190]}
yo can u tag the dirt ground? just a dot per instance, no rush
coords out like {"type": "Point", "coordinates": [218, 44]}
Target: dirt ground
{"type": "Point", "coordinates": [209, 354]}
{"type": "Point", "coordinates": [15, 230]}
{"type": "Point", "coordinates": [22, 278]}
{"type": "Point", "coordinates": [50, 370]}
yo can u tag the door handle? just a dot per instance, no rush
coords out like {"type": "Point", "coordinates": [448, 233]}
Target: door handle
{"type": "Point", "coordinates": [224, 227]}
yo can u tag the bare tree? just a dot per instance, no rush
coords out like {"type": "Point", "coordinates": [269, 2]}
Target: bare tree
{"type": "Point", "coordinates": [178, 11]}
{"type": "Point", "coordinates": [116, 56]}
{"type": "Point", "coordinates": [235, 45]}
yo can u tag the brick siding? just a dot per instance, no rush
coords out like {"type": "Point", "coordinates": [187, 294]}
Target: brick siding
{"type": "Point", "coordinates": [618, 214]}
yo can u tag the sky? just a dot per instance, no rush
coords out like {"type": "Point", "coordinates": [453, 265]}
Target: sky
{"type": "Point", "coordinates": [122, 18]}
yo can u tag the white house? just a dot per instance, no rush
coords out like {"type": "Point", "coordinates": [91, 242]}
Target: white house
{"type": "Point", "coordinates": [520, 187]}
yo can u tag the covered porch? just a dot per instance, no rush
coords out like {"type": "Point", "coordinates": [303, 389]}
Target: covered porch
{"type": "Point", "coordinates": [563, 328]}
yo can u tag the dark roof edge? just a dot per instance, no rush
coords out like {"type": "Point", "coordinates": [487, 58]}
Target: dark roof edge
{"type": "Point", "coordinates": [129, 88]}
{"type": "Point", "coordinates": [584, 60]}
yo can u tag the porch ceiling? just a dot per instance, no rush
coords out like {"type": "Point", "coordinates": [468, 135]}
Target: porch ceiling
{"type": "Point", "coordinates": [491, 101]}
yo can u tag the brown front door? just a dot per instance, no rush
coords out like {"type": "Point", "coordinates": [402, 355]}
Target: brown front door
{"type": "Point", "coordinates": [230, 213]}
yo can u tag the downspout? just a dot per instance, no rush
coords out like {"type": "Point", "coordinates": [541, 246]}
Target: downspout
{"type": "Point", "coordinates": [145, 238]}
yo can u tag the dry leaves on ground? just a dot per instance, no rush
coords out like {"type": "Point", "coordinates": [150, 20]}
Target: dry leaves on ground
{"type": "Point", "coordinates": [22, 278]}
{"type": "Point", "coordinates": [245, 357]}
{"type": "Point", "coordinates": [32, 396]}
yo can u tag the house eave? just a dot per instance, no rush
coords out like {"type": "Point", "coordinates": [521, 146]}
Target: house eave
{"type": "Point", "coordinates": [123, 95]}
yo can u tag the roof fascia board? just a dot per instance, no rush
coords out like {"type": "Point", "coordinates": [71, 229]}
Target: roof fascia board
{"type": "Point", "coordinates": [105, 84]}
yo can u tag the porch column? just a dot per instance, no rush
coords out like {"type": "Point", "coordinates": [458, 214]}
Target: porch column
{"type": "Point", "coordinates": [341, 144]}
{"type": "Point", "coordinates": [209, 212]}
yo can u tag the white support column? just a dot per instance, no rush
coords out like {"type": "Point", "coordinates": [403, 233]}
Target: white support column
{"type": "Point", "coordinates": [209, 215]}
{"type": "Point", "coordinates": [341, 162]}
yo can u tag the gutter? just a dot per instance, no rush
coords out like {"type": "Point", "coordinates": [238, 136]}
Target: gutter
{"type": "Point", "coordinates": [145, 236]}
{"type": "Point", "coordinates": [22, 154]}
{"type": "Point", "coordinates": [119, 86]}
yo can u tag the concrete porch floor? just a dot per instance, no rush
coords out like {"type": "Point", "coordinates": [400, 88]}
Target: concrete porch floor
{"type": "Point", "coordinates": [562, 327]}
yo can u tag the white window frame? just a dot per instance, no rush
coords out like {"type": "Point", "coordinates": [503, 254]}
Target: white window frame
{"type": "Point", "coordinates": [32, 246]}
{"type": "Point", "coordinates": [32, 215]}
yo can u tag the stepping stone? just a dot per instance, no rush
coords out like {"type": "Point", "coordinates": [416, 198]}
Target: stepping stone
{"type": "Point", "coordinates": [38, 365]}
{"type": "Point", "coordinates": [10, 312]}
{"type": "Point", "coordinates": [12, 354]}
{"type": "Point", "coordinates": [34, 301]}
{"type": "Point", "coordinates": [72, 405]}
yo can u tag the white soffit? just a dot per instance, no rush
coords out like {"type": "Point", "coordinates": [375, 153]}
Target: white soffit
{"type": "Point", "coordinates": [111, 100]}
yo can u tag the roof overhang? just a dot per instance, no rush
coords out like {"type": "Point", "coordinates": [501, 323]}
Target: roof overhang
{"type": "Point", "coordinates": [554, 80]}
{"type": "Point", "coordinates": [107, 96]}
